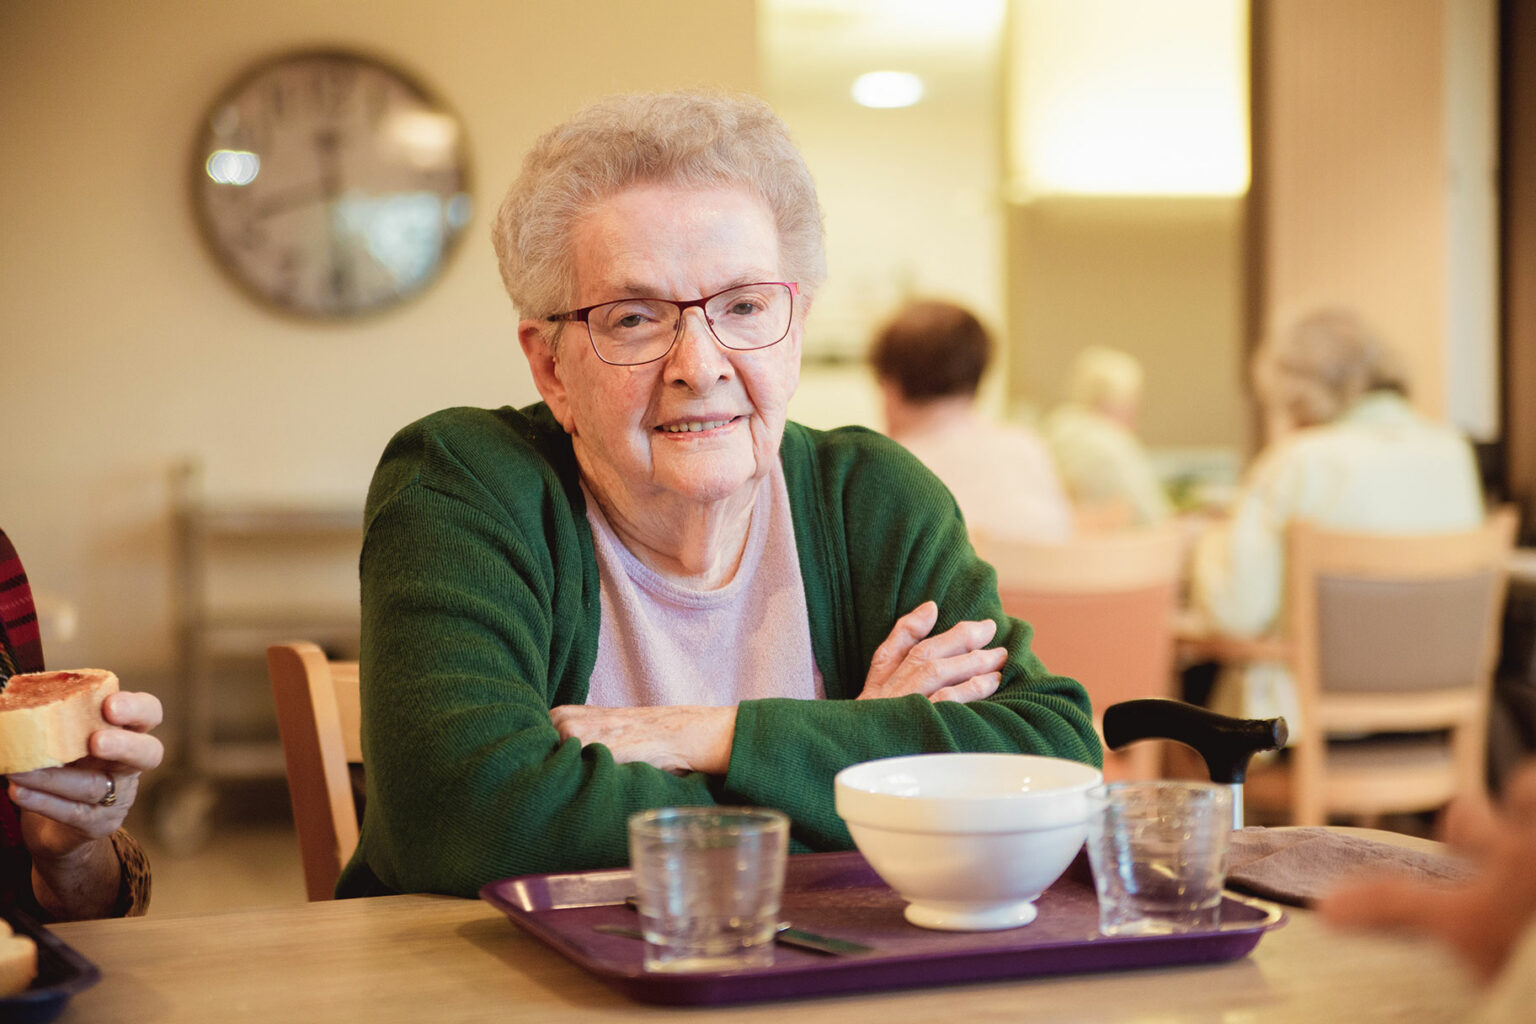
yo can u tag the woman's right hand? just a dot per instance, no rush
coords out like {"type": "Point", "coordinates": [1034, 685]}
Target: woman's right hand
{"type": "Point", "coordinates": [955, 665]}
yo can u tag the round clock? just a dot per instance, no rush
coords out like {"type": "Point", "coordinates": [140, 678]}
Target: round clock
{"type": "Point", "coordinates": [329, 184]}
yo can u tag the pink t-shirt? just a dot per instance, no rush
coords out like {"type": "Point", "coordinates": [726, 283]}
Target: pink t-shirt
{"type": "Point", "coordinates": [661, 643]}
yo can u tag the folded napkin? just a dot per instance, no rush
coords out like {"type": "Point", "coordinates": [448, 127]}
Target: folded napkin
{"type": "Point", "coordinates": [1297, 865]}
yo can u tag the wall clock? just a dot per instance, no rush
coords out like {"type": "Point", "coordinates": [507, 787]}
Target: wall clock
{"type": "Point", "coordinates": [329, 184]}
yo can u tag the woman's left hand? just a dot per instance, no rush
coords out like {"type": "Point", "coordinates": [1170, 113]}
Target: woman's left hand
{"type": "Point", "coordinates": [68, 807]}
{"type": "Point", "coordinates": [676, 739]}
{"type": "Point", "coordinates": [956, 665]}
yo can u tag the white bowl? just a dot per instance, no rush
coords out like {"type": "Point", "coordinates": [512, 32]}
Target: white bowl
{"type": "Point", "coordinates": [969, 840]}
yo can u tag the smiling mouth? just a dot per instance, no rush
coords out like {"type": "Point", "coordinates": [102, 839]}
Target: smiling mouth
{"type": "Point", "coordinates": [694, 426]}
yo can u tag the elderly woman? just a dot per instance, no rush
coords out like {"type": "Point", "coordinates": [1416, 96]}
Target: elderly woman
{"type": "Point", "coordinates": [1347, 452]}
{"type": "Point", "coordinates": [651, 589]}
{"type": "Point", "coordinates": [63, 852]}
{"type": "Point", "coordinates": [1092, 436]}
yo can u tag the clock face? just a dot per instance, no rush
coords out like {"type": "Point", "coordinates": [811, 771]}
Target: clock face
{"type": "Point", "coordinates": [330, 185]}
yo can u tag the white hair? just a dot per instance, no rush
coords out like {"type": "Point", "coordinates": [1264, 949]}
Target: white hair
{"type": "Point", "coordinates": [1104, 378]}
{"type": "Point", "coordinates": [1316, 364]}
{"type": "Point", "coordinates": [697, 139]}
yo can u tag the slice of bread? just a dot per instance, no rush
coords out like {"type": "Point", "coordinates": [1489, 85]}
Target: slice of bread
{"type": "Point", "coordinates": [18, 961]}
{"type": "Point", "coordinates": [46, 718]}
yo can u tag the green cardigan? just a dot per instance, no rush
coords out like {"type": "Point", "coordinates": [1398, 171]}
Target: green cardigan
{"type": "Point", "coordinates": [480, 613]}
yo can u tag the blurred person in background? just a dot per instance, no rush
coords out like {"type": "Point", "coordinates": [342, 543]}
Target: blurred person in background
{"type": "Point", "coordinates": [1346, 451]}
{"type": "Point", "coordinates": [1092, 436]}
{"type": "Point", "coordinates": [1488, 921]}
{"type": "Point", "coordinates": [929, 359]}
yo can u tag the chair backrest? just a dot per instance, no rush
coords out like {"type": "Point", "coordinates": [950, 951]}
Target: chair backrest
{"type": "Point", "coordinates": [1372, 613]}
{"type": "Point", "coordinates": [319, 718]}
{"type": "Point", "coordinates": [1394, 633]}
{"type": "Point", "coordinates": [1103, 608]}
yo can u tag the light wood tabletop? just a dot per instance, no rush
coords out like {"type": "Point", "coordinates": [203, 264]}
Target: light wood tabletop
{"type": "Point", "coordinates": [420, 958]}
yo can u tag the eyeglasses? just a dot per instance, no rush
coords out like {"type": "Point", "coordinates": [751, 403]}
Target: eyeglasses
{"type": "Point", "coordinates": [633, 331]}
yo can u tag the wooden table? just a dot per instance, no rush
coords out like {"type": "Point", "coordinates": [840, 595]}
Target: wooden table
{"type": "Point", "coordinates": [430, 958]}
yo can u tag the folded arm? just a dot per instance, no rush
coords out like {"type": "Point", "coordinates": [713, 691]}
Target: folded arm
{"type": "Point", "coordinates": [479, 618]}
{"type": "Point", "coordinates": [953, 666]}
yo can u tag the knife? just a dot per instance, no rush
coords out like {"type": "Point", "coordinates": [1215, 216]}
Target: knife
{"type": "Point", "coordinates": [787, 936]}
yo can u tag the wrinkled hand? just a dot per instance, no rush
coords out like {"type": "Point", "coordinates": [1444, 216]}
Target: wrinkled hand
{"type": "Point", "coordinates": [61, 806]}
{"type": "Point", "coordinates": [1483, 918]}
{"type": "Point", "coordinates": [678, 739]}
{"type": "Point", "coordinates": [955, 665]}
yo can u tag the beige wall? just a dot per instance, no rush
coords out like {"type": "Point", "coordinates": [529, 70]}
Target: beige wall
{"type": "Point", "coordinates": [910, 198]}
{"type": "Point", "coordinates": [1160, 278]}
{"type": "Point", "coordinates": [910, 202]}
{"type": "Point", "coordinates": [1125, 127]}
{"type": "Point", "coordinates": [1377, 162]}
{"type": "Point", "coordinates": [122, 348]}
{"type": "Point", "coordinates": [910, 195]}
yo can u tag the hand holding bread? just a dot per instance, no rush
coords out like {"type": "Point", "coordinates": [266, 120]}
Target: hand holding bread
{"type": "Point", "coordinates": [66, 734]}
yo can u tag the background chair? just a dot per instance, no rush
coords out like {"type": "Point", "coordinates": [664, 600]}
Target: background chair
{"type": "Point", "coordinates": [1392, 642]}
{"type": "Point", "coordinates": [1103, 608]}
{"type": "Point", "coordinates": [319, 719]}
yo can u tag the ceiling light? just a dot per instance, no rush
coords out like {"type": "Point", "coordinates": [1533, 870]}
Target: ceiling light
{"type": "Point", "coordinates": [887, 89]}
{"type": "Point", "coordinates": [1123, 97]}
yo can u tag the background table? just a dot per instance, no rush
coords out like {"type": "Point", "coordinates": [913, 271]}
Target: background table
{"type": "Point", "coordinates": [419, 958]}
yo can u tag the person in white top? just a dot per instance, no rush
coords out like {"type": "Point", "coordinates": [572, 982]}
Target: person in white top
{"type": "Point", "coordinates": [1347, 452]}
{"type": "Point", "coordinates": [1093, 439]}
{"type": "Point", "coordinates": [929, 359]}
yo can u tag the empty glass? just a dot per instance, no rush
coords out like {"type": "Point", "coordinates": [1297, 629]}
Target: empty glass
{"type": "Point", "coordinates": [708, 882]}
{"type": "Point", "coordinates": [1159, 855]}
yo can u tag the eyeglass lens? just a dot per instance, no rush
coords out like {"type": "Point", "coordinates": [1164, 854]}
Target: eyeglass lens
{"type": "Point", "coordinates": [638, 330]}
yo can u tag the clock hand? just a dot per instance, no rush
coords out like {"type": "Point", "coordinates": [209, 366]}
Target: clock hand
{"type": "Point", "coordinates": [327, 144]}
{"type": "Point", "coordinates": [291, 197]}
{"type": "Point", "coordinates": [325, 188]}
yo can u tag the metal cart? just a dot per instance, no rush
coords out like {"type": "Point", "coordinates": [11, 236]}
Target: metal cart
{"type": "Point", "coordinates": [225, 726]}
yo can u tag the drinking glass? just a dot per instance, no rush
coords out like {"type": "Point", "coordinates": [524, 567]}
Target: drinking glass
{"type": "Point", "coordinates": [1159, 855]}
{"type": "Point", "coordinates": [708, 883]}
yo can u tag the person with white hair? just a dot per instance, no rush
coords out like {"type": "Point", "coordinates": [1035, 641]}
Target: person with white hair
{"type": "Point", "coordinates": [652, 589]}
{"type": "Point", "coordinates": [1092, 436]}
{"type": "Point", "coordinates": [1348, 452]}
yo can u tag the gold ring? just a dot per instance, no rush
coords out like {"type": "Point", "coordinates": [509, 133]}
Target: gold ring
{"type": "Point", "coordinates": [111, 795]}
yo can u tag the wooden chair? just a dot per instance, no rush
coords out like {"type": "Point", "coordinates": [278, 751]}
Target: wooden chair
{"type": "Point", "coordinates": [1392, 641]}
{"type": "Point", "coordinates": [1103, 608]}
{"type": "Point", "coordinates": [319, 718]}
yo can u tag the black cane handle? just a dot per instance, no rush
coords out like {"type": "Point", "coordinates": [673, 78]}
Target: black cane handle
{"type": "Point", "coordinates": [1226, 743]}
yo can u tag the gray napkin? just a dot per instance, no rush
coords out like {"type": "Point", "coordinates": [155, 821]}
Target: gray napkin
{"type": "Point", "coordinates": [1297, 865]}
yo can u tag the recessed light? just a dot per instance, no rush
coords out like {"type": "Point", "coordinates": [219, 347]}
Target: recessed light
{"type": "Point", "coordinates": [887, 89]}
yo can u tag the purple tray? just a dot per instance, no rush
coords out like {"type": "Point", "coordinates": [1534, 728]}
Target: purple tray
{"type": "Point", "coordinates": [61, 972]}
{"type": "Point", "coordinates": [838, 894]}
